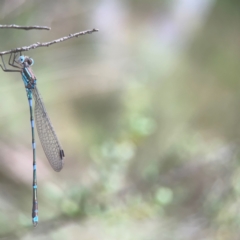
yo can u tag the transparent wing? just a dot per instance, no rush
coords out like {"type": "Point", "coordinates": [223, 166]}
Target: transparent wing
{"type": "Point", "coordinates": [46, 133]}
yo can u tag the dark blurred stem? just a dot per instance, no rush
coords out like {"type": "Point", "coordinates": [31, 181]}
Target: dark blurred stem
{"type": "Point", "coordinates": [46, 44]}
{"type": "Point", "coordinates": [25, 27]}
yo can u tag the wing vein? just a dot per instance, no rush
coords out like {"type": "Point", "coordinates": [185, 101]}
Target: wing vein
{"type": "Point", "coordinates": [46, 133]}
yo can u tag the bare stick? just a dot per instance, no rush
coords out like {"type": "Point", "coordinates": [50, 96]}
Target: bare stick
{"type": "Point", "coordinates": [46, 44]}
{"type": "Point", "coordinates": [25, 27]}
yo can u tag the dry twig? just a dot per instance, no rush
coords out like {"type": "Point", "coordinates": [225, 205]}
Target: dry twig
{"type": "Point", "coordinates": [46, 44]}
{"type": "Point", "coordinates": [25, 27]}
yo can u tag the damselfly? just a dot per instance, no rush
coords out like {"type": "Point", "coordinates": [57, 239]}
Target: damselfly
{"type": "Point", "coordinates": [46, 133]}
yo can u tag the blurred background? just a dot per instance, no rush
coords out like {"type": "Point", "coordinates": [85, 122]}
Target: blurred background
{"type": "Point", "coordinates": [147, 111]}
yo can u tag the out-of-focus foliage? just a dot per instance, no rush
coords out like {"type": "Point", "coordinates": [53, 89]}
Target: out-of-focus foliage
{"type": "Point", "coordinates": [147, 110]}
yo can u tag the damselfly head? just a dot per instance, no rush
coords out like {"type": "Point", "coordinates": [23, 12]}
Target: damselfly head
{"type": "Point", "coordinates": [24, 59]}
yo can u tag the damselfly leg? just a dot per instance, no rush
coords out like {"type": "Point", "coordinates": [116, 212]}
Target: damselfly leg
{"type": "Point", "coordinates": [11, 60]}
{"type": "Point", "coordinates": [5, 69]}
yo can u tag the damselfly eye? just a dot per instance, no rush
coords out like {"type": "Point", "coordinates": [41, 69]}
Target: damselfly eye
{"type": "Point", "coordinates": [21, 59]}
{"type": "Point", "coordinates": [30, 61]}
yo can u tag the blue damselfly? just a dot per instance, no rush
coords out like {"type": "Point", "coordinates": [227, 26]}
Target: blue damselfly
{"type": "Point", "coordinates": [46, 133]}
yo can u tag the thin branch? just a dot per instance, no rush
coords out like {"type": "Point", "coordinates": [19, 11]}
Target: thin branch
{"type": "Point", "coordinates": [46, 44]}
{"type": "Point", "coordinates": [25, 27]}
